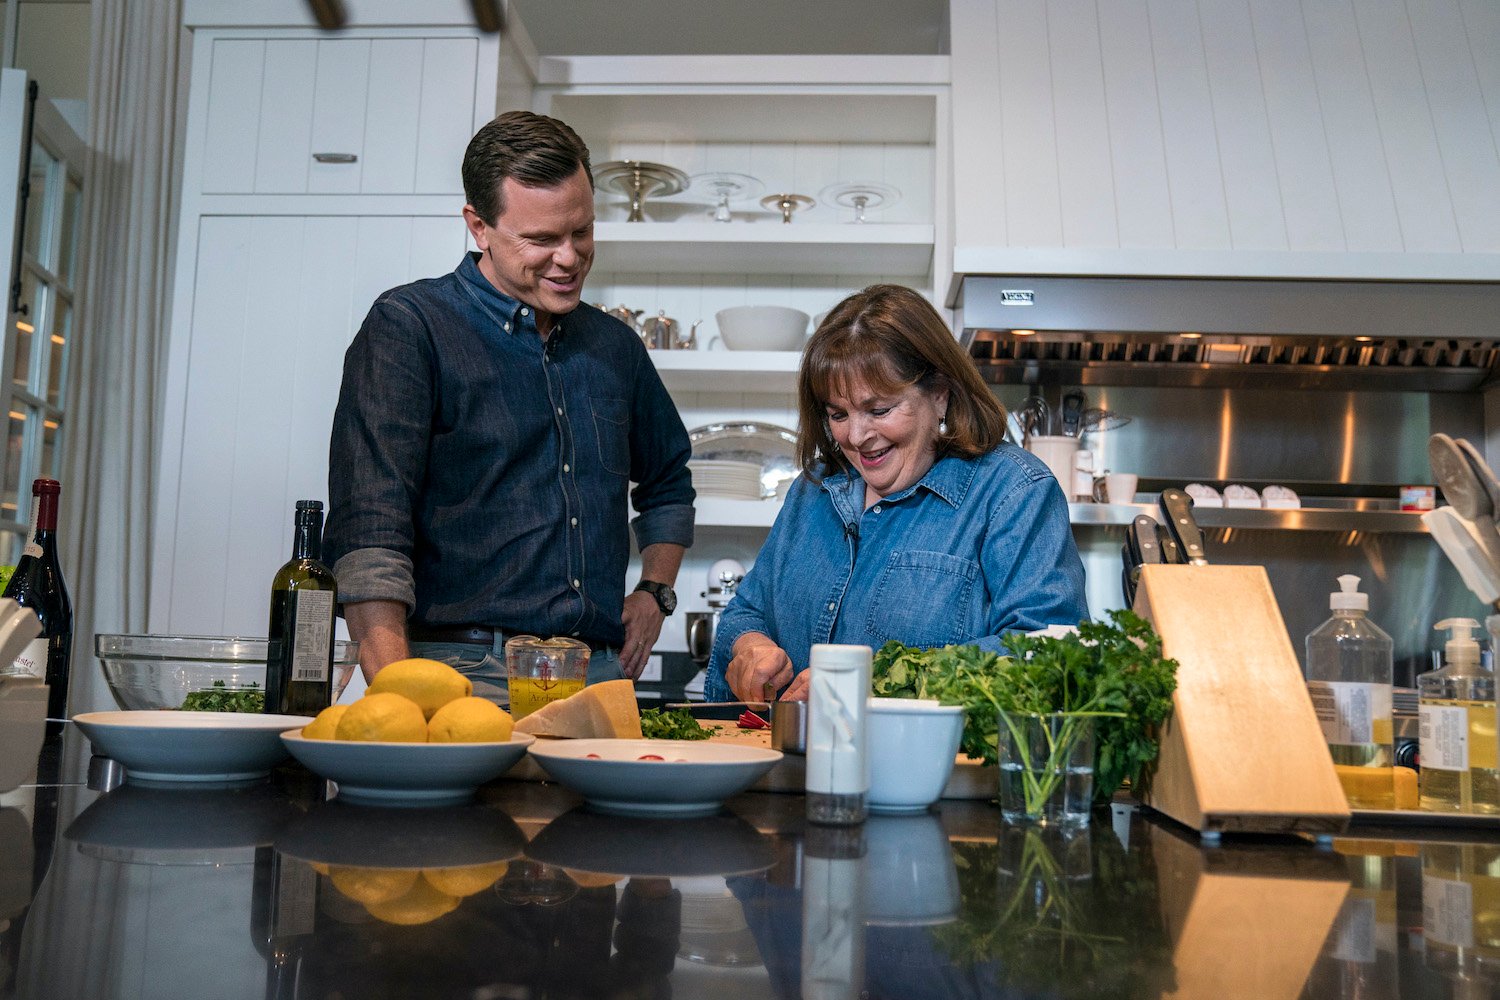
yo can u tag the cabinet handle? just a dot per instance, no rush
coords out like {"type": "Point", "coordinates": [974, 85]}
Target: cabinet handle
{"type": "Point", "coordinates": [335, 157]}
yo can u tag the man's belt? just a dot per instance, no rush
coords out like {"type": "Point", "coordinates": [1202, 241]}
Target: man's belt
{"type": "Point", "coordinates": [474, 635]}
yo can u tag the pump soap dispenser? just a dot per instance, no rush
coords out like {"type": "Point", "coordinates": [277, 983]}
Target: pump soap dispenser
{"type": "Point", "coordinates": [1349, 663]}
{"type": "Point", "coordinates": [1460, 772]}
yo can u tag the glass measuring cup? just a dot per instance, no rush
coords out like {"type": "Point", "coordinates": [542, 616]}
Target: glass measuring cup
{"type": "Point", "coordinates": [543, 670]}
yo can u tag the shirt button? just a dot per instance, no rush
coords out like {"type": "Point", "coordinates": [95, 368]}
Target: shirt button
{"type": "Point", "coordinates": [567, 468]}
{"type": "Point", "coordinates": [559, 411]}
{"type": "Point", "coordinates": [877, 508]}
{"type": "Point", "coordinates": [831, 605]}
{"type": "Point", "coordinates": [573, 521]}
{"type": "Point", "coordinates": [507, 328]}
{"type": "Point", "coordinates": [525, 312]}
{"type": "Point", "coordinates": [576, 585]}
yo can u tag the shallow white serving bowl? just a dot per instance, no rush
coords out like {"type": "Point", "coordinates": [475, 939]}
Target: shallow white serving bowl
{"type": "Point", "coordinates": [913, 747]}
{"type": "Point", "coordinates": [406, 774]}
{"type": "Point", "coordinates": [168, 746]}
{"type": "Point", "coordinates": [694, 778]}
{"type": "Point", "coordinates": [762, 328]}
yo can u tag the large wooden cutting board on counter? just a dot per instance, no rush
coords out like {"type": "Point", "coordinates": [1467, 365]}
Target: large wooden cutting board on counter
{"type": "Point", "coordinates": [970, 778]}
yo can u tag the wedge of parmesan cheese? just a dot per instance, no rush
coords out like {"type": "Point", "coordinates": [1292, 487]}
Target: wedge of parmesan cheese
{"type": "Point", "coordinates": [600, 711]}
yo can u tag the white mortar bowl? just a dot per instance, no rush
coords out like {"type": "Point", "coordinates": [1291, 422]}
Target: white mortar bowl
{"type": "Point", "coordinates": [762, 328]}
{"type": "Point", "coordinates": [913, 747]}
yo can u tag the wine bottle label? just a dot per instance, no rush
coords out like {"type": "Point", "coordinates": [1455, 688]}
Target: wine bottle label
{"type": "Point", "coordinates": [31, 548]}
{"type": "Point", "coordinates": [312, 610]}
{"type": "Point", "coordinates": [1349, 712]}
{"type": "Point", "coordinates": [32, 662]}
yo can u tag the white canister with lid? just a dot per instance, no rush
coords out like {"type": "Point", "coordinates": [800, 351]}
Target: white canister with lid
{"type": "Point", "coordinates": [838, 760]}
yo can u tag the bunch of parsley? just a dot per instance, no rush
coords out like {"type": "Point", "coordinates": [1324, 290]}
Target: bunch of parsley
{"type": "Point", "coordinates": [1114, 669]}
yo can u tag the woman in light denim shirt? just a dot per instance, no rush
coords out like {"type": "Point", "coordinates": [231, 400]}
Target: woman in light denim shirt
{"type": "Point", "coordinates": [914, 519]}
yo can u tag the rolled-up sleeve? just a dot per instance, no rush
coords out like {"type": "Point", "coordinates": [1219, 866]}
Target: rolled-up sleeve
{"type": "Point", "coordinates": [659, 453]}
{"type": "Point", "coordinates": [378, 456]}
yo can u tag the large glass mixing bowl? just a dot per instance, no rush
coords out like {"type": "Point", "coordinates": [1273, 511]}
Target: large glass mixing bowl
{"type": "Point", "coordinates": [159, 671]}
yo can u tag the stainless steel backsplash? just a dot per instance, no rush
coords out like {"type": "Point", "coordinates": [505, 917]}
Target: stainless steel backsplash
{"type": "Point", "coordinates": [1337, 442]}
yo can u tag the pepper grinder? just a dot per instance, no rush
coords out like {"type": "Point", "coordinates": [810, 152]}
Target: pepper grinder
{"type": "Point", "coordinates": [838, 760]}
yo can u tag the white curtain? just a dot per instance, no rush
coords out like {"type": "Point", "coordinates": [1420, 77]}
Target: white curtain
{"type": "Point", "coordinates": [112, 428]}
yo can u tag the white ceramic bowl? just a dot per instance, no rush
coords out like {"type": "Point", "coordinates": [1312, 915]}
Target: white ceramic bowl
{"type": "Point", "coordinates": [762, 328]}
{"type": "Point", "coordinates": [406, 774]}
{"type": "Point", "coordinates": [911, 876]}
{"type": "Point", "coordinates": [913, 747]}
{"type": "Point", "coordinates": [690, 778]}
{"type": "Point", "coordinates": [168, 746]}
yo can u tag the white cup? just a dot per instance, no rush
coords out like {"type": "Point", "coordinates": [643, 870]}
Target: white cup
{"type": "Point", "coordinates": [1057, 451]}
{"type": "Point", "coordinates": [1119, 487]}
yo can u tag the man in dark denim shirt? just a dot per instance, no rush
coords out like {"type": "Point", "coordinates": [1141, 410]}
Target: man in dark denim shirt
{"type": "Point", "coordinates": [487, 431]}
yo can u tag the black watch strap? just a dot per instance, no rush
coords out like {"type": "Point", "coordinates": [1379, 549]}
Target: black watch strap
{"type": "Point", "coordinates": [666, 597]}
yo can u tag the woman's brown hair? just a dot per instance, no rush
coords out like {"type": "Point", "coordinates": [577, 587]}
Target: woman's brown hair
{"type": "Point", "coordinates": [890, 338]}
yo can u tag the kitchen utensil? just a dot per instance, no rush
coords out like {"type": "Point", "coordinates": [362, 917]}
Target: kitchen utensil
{"type": "Point", "coordinates": [1177, 507]}
{"type": "Point", "coordinates": [762, 328]}
{"type": "Point", "coordinates": [159, 671]}
{"type": "Point", "coordinates": [787, 204]}
{"type": "Point", "coordinates": [1072, 413]}
{"type": "Point", "coordinates": [1057, 451]}
{"type": "Point", "coordinates": [640, 179]}
{"type": "Point", "coordinates": [773, 446]}
{"type": "Point", "coordinates": [1466, 489]}
{"type": "Point", "coordinates": [719, 706]}
{"type": "Point", "coordinates": [540, 671]}
{"type": "Point", "coordinates": [789, 726]}
{"type": "Point", "coordinates": [1142, 547]}
{"type": "Point", "coordinates": [725, 187]}
{"type": "Point", "coordinates": [861, 196]}
{"type": "Point", "coordinates": [1459, 540]}
{"type": "Point", "coordinates": [630, 317]}
{"type": "Point", "coordinates": [1095, 419]}
{"type": "Point", "coordinates": [407, 774]}
{"type": "Point", "coordinates": [662, 333]}
{"type": "Point", "coordinates": [188, 747]}
{"type": "Point", "coordinates": [913, 747]}
{"type": "Point", "coordinates": [700, 636]}
{"type": "Point", "coordinates": [1034, 417]}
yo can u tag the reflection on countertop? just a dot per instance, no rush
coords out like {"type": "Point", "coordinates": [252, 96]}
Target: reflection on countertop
{"type": "Point", "coordinates": [268, 890]}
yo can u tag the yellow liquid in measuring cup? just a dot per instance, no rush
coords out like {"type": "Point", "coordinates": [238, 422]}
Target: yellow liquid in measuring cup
{"type": "Point", "coordinates": [527, 694]}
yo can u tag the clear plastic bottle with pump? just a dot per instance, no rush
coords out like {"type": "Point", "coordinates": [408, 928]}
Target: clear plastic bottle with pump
{"type": "Point", "coordinates": [1349, 666]}
{"type": "Point", "coordinates": [1460, 772]}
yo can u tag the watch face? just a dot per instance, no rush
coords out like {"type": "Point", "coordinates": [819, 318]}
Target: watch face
{"type": "Point", "coordinates": [666, 597]}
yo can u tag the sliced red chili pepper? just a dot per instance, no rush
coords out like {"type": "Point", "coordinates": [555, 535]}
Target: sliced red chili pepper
{"type": "Point", "coordinates": [749, 720]}
{"type": "Point", "coordinates": [650, 756]}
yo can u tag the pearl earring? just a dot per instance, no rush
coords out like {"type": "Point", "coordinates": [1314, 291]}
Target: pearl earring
{"type": "Point", "coordinates": [943, 426]}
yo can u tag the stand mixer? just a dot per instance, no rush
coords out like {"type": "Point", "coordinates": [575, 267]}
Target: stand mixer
{"type": "Point", "coordinates": [724, 577]}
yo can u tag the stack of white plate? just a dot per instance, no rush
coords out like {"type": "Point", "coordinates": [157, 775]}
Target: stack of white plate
{"type": "Point", "coordinates": [724, 478]}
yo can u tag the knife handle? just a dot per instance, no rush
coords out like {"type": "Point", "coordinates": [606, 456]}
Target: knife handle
{"type": "Point", "coordinates": [1146, 539]}
{"type": "Point", "coordinates": [1177, 505]}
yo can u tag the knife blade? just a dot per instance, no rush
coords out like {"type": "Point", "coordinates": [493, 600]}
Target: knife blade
{"type": "Point", "coordinates": [1177, 506]}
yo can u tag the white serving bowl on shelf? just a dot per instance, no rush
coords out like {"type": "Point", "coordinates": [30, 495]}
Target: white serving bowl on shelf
{"type": "Point", "coordinates": [762, 328]}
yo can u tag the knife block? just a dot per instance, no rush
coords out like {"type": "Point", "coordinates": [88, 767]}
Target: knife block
{"type": "Point", "coordinates": [1242, 750]}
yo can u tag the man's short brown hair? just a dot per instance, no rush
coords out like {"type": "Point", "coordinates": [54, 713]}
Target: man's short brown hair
{"type": "Point", "coordinates": [531, 149]}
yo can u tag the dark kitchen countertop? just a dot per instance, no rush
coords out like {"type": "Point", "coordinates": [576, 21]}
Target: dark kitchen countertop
{"type": "Point", "coordinates": [254, 892]}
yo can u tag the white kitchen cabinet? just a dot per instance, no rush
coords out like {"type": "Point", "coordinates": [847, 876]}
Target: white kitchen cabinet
{"type": "Point", "coordinates": [271, 318]}
{"type": "Point", "coordinates": [374, 113]}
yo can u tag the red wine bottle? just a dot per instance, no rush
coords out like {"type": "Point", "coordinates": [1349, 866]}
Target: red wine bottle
{"type": "Point", "coordinates": [38, 584]}
{"type": "Point", "coordinates": [304, 598]}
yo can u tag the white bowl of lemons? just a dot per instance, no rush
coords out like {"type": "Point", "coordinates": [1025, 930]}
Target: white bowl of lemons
{"type": "Point", "coordinates": [417, 737]}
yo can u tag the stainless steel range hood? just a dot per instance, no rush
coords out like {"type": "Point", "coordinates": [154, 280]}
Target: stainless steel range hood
{"type": "Point", "coordinates": [1229, 332]}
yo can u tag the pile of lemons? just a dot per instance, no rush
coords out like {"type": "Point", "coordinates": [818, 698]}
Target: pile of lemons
{"type": "Point", "coordinates": [415, 701]}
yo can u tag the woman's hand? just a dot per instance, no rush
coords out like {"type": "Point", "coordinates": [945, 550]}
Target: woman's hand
{"type": "Point", "coordinates": [757, 664]}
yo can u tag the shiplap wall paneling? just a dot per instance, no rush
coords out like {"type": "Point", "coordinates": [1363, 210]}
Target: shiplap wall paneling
{"type": "Point", "coordinates": [1261, 126]}
{"type": "Point", "coordinates": [271, 322]}
{"type": "Point", "coordinates": [403, 107]}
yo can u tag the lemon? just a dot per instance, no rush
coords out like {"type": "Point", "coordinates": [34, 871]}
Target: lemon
{"type": "Point", "coordinates": [385, 718]}
{"type": "Point", "coordinates": [469, 720]}
{"type": "Point", "coordinates": [420, 904]}
{"type": "Point", "coordinates": [326, 724]}
{"type": "Point", "coordinates": [427, 682]}
{"type": "Point", "coordinates": [465, 881]}
{"type": "Point", "coordinates": [373, 885]}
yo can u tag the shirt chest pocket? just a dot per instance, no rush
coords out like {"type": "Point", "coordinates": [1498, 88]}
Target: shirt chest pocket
{"type": "Point", "coordinates": [612, 429]}
{"type": "Point", "coordinates": [923, 599]}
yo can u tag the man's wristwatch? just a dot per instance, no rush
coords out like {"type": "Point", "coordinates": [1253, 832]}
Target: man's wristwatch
{"type": "Point", "coordinates": [666, 597]}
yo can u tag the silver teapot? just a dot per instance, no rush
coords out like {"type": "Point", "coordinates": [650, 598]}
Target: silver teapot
{"type": "Point", "coordinates": [662, 333]}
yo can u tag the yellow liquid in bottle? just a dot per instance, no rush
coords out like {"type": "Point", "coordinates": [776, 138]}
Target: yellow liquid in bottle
{"type": "Point", "coordinates": [1376, 754]}
{"type": "Point", "coordinates": [527, 694]}
{"type": "Point", "coordinates": [1476, 790]}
